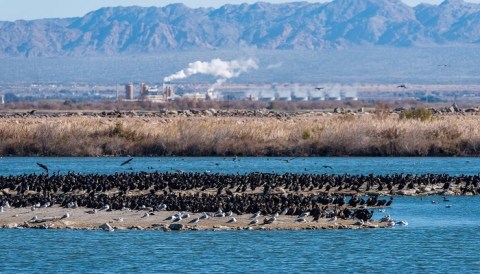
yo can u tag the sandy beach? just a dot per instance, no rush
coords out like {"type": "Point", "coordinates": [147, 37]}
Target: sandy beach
{"type": "Point", "coordinates": [51, 218]}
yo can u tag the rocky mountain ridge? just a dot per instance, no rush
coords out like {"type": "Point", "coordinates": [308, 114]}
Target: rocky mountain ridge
{"type": "Point", "coordinates": [298, 25]}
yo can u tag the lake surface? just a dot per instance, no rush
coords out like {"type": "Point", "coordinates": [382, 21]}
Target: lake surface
{"type": "Point", "coordinates": [437, 240]}
{"type": "Point", "coordinates": [339, 165]}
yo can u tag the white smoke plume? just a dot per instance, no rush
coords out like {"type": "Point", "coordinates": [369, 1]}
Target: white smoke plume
{"type": "Point", "coordinates": [222, 70]}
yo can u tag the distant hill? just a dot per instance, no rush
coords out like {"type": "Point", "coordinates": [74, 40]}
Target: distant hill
{"type": "Point", "coordinates": [300, 25]}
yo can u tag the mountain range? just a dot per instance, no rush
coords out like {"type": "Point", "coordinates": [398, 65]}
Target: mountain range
{"type": "Point", "coordinates": [298, 25]}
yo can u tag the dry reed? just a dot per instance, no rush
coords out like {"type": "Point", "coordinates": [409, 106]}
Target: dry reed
{"type": "Point", "coordinates": [338, 135]}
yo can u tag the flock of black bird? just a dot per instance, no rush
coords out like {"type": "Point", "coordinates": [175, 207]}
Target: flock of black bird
{"type": "Point", "coordinates": [322, 195]}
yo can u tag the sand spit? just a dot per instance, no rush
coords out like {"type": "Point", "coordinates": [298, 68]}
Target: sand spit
{"type": "Point", "coordinates": [80, 218]}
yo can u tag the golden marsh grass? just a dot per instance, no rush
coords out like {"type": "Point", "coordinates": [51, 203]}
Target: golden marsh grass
{"type": "Point", "coordinates": [336, 135]}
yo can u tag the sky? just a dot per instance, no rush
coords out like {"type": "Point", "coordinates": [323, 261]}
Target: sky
{"type": "Point", "coordinates": [17, 9]}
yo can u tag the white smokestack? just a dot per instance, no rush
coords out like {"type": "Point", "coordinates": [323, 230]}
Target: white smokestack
{"type": "Point", "coordinates": [222, 70]}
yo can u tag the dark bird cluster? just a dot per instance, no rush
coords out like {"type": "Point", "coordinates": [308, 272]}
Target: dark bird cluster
{"type": "Point", "coordinates": [319, 195]}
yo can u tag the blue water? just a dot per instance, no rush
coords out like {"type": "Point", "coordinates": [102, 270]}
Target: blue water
{"type": "Point", "coordinates": [340, 165]}
{"type": "Point", "coordinates": [437, 240]}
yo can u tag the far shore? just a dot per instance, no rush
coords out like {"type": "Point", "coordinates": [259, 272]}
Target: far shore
{"type": "Point", "coordinates": [342, 132]}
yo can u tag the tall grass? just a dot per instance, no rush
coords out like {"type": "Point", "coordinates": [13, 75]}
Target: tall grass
{"type": "Point", "coordinates": [363, 135]}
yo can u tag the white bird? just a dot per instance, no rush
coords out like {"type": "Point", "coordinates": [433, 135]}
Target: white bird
{"type": "Point", "coordinates": [253, 222]}
{"type": "Point", "coordinates": [381, 210]}
{"type": "Point", "coordinates": [385, 218]}
{"type": "Point", "coordinates": [93, 211]}
{"type": "Point", "coordinates": [120, 219]}
{"type": "Point", "coordinates": [1, 209]}
{"type": "Point", "coordinates": [195, 220]}
{"type": "Point", "coordinates": [32, 208]}
{"type": "Point", "coordinates": [232, 220]}
{"type": "Point", "coordinates": [229, 214]}
{"type": "Point", "coordinates": [359, 222]}
{"type": "Point", "coordinates": [204, 216]}
{"type": "Point", "coordinates": [448, 206]}
{"type": "Point", "coordinates": [402, 223]}
{"type": "Point", "coordinates": [390, 223]}
{"type": "Point", "coordinates": [218, 212]}
{"type": "Point", "coordinates": [333, 219]}
{"type": "Point", "coordinates": [256, 215]}
{"type": "Point", "coordinates": [162, 207]}
{"type": "Point", "coordinates": [269, 220]}
{"type": "Point", "coordinates": [304, 214]}
{"type": "Point", "coordinates": [146, 215]}
{"type": "Point", "coordinates": [275, 215]}
{"type": "Point", "coordinates": [7, 204]}
{"type": "Point", "coordinates": [301, 220]}
{"type": "Point", "coordinates": [66, 215]}
{"type": "Point", "coordinates": [284, 211]}
{"type": "Point", "coordinates": [105, 207]}
{"type": "Point", "coordinates": [34, 218]}
{"type": "Point", "coordinates": [185, 216]}
{"type": "Point", "coordinates": [220, 215]}
{"type": "Point", "coordinates": [125, 209]}
{"type": "Point", "coordinates": [45, 205]}
{"type": "Point", "coordinates": [177, 219]}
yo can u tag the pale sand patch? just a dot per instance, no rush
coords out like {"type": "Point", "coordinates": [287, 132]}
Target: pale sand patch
{"type": "Point", "coordinates": [80, 219]}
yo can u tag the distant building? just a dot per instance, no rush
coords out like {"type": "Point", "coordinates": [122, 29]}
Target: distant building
{"type": "Point", "coordinates": [129, 91]}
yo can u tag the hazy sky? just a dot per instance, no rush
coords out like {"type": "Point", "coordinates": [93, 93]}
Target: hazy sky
{"type": "Point", "coordinates": [34, 9]}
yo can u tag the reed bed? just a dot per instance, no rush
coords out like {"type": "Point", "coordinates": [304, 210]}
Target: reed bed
{"type": "Point", "coordinates": [337, 135]}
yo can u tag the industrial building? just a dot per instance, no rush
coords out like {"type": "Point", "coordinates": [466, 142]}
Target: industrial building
{"type": "Point", "coordinates": [166, 92]}
{"type": "Point", "coordinates": [147, 93]}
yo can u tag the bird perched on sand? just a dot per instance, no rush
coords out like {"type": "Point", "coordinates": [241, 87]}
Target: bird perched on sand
{"type": "Point", "coordinates": [232, 220]}
{"type": "Point", "coordinates": [253, 222]}
{"type": "Point", "coordinates": [162, 207]}
{"type": "Point", "coordinates": [385, 218]}
{"type": "Point", "coordinates": [305, 214]}
{"type": "Point", "coordinates": [195, 220]}
{"type": "Point", "coordinates": [333, 219]}
{"type": "Point", "coordinates": [269, 220]}
{"type": "Point", "coordinates": [105, 207]}
{"type": "Point", "coordinates": [359, 222]}
{"type": "Point", "coordinates": [66, 215]}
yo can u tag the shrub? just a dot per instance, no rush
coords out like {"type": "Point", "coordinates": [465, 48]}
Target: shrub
{"type": "Point", "coordinates": [421, 114]}
{"type": "Point", "coordinates": [307, 134]}
{"type": "Point", "coordinates": [382, 110]}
